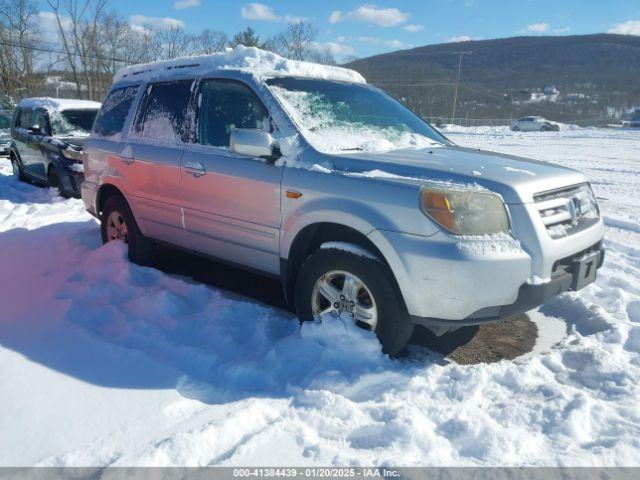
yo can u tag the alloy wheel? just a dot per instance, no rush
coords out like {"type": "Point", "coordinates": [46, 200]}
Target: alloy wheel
{"type": "Point", "coordinates": [117, 227]}
{"type": "Point", "coordinates": [338, 292]}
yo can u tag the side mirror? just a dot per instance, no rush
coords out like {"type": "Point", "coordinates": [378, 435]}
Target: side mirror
{"type": "Point", "coordinates": [252, 142]}
{"type": "Point", "coordinates": [34, 130]}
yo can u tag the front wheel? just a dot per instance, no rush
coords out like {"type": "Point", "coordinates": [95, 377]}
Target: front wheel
{"type": "Point", "coordinates": [117, 223]}
{"type": "Point", "coordinates": [55, 181]}
{"type": "Point", "coordinates": [339, 283]}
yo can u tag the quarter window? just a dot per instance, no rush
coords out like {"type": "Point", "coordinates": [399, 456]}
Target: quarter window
{"type": "Point", "coordinates": [225, 105]}
{"type": "Point", "coordinates": [26, 119]}
{"type": "Point", "coordinates": [164, 112]}
{"type": "Point", "coordinates": [114, 111]}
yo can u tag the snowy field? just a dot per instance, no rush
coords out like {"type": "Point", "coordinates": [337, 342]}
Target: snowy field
{"type": "Point", "coordinates": [107, 363]}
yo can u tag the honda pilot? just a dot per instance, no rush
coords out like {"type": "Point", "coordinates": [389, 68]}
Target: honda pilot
{"type": "Point", "coordinates": [362, 210]}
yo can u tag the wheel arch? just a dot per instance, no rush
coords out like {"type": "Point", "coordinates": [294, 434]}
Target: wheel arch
{"type": "Point", "coordinates": [106, 191]}
{"type": "Point", "coordinates": [309, 239]}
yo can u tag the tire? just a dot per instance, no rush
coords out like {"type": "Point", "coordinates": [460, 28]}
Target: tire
{"type": "Point", "coordinates": [516, 128]}
{"type": "Point", "coordinates": [18, 171]}
{"type": "Point", "coordinates": [393, 326]}
{"type": "Point", "coordinates": [141, 249]}
{"type": "Point", "coordinates": [54, 181]}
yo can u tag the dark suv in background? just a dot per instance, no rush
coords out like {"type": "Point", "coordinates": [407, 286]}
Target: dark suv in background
{"type": "Point", "coordinates": [5, 134]}
{"type": "Point", "coordinates": [48, 135]}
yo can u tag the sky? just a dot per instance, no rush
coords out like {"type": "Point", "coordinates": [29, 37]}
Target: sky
{"type": "Point", "coordinates": [362, 28]}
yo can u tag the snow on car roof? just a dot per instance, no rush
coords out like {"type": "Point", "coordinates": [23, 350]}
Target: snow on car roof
{"type": "Point", "coordinates": [255, 61]}
{"type": "Point", "coordinates": [57, 104]}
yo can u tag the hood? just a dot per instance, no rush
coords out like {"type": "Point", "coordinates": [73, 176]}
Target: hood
{"type": "Point", "coordinates": [516, 179]}
{"type": "Point", "coordinates": [5, 134]}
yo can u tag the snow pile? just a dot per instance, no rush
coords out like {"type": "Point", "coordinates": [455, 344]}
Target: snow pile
{"type": "Point", "coordinates": [242, 347]}
{"type": "Point", "coordinates": [488, 244]}
{"type": "Point", "coordinates": [252, 60]}
{"type": "Point", "coordinates": [58, 104]}
{"type": "Point", "coordinates": [323, 128]}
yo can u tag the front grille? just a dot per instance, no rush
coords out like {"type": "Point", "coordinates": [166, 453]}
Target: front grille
{"type": "Point", "coordinates": [568, 210]}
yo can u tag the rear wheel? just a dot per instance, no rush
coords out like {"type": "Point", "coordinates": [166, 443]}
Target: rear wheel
{"type": "Point", "coordinates": [339, 283]}
{"type": "Point", "coordinates": [117, 223]}
{"type": "Point", "coordinates": [18, 171]}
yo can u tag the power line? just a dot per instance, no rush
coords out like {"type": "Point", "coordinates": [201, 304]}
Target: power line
{"type": "Point", "coordinates": [60, 52]}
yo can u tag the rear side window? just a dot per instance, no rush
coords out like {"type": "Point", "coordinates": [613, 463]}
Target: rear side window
{"type": "Point", "coordinates": [163, 113]}
{"type": "Point", "coordinates": [114, 111]}
{"type": "Point", "coordinates": [225, 105]}
{"type": "Point", "coordinates": [25, 119]}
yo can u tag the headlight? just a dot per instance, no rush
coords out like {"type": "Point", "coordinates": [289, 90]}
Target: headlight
{"type": "Point", "coordinates": [71, 154]}
{"type": "Point", "coordinates": [465, 212]}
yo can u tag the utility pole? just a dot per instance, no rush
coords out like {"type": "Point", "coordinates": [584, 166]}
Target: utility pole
{"type": "Point", "coordinates": [455, 93]}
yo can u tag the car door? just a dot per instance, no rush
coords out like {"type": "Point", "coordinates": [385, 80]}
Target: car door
{"type": "Point", "coordinates": [20, 135]}
{"type": "Point", "coordinates": [231, 202]}
{"type": "Point", "coordinates": [153, 155]}
{"type": "Point", "coordinates": [37, 161]}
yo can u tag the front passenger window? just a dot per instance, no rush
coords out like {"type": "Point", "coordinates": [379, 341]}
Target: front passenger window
{"type": "Point", "coordinates": [225, 105]}
{"type": "Point", "coordinates": [40, 119]}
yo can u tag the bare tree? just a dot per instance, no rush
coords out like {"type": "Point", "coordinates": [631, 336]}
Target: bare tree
{"type": "Point", "coordinates": [174, 42]}
{"type": "Point", "coordinates": [296, 42]}
{"type": "Point", "coordinates": [211, 41]}
{"type": "Point", "coordinates": [79, 24]}
{"type": "Point", "coordinates": [17, 57]}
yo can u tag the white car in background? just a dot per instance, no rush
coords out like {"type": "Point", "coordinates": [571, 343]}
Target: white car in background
{"type": "Point", "coordinates": [534, 124]}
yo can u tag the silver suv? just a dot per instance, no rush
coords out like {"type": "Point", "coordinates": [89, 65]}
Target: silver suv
{"type": "Point", "coordinates": [358, 206]}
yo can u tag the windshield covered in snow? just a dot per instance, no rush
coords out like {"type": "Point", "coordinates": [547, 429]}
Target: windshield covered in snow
{"type": "Point", "coordinates": [72, 123]}
{"type": "Point", "coordinates": [338, 117]}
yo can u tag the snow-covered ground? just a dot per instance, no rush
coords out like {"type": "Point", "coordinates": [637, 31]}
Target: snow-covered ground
{"type": "Point", "coordinates": [107, 363]}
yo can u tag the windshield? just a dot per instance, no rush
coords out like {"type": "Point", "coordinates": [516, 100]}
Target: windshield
{"type": "Point", "coordinates": [72, 123]}
{"type": "Point", "coordinates": [337, 117]}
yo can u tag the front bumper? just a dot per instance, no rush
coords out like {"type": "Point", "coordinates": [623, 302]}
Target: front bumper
{"type": "Point", "coordinates": [456, 281]}
{"type": "Point", "coordinates": [5, 150]}
{"type": "Point", "coordinates": [71, 182]}
{"type": "Point", "coordinates": [565, 278]}
{"type": "Point", "coordinates": [88, 193]}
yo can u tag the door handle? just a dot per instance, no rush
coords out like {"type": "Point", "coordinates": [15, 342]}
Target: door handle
{"type": "Point", "coordinates": [126, 155]}
{"type": "Point", "coordinates": [194, 168]}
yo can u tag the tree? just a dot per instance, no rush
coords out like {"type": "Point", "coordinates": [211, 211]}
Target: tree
{"type": "Point", "coordinates": [79, 24]}
{"type": "Point", "coordinates": [211, 41]}
{"type": "Point", "coordinates": [248, 37]}
{"type": "Point", "coordinates": [17, 57]}
{"type": "Point", "coordinates": [296, 42]}
{"type": "Point", "coordinates": [174, 42]}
